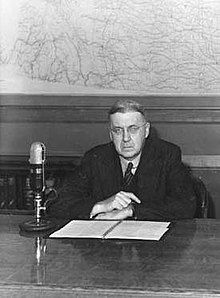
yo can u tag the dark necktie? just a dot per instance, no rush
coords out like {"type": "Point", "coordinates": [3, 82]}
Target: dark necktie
{"type": "Point", "coordinates": [127, 177]}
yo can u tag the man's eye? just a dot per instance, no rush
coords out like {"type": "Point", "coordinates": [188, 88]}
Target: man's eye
{"type": "Point", "coordinates": [117, 130]}
{"type": "Point", "coordinates": [133, 129]}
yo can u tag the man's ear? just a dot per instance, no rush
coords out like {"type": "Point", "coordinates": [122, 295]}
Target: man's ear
{"type": "Point", "coordinates": [147, 129]}
{"type": "Point", "coordinates": [110, 135]}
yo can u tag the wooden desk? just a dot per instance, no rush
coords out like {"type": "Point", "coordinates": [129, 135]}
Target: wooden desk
{"type": "Point", "coordinates": [185, 263]}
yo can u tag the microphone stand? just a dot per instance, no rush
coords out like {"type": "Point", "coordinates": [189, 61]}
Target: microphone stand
{"type": "Point", "coordinates": [38, 223]}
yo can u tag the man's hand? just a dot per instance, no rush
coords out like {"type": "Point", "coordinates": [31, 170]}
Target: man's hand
{"type": "Point", "coordinates": [116, 214]}
{"type": "Point", "coordinates": [118, 201]}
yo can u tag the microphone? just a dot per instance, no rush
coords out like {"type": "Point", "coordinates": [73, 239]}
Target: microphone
{"type": "Point", "coordinates": [37, 183]}
{"type": "Point", "coordinates": [37, 159]}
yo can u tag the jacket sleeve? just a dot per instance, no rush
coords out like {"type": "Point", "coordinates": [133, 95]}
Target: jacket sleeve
{"type": "Point", "coordinates": [75, 196]}
{"type": "Point", "coordinates": [179, 200]}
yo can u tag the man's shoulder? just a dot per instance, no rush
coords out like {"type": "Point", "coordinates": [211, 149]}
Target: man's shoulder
{"type": "Point", "coordinates": [163, 147]}
{"type": "Point", "coordinates": [166, 145]}
{"type": "Point", "coordinates": [102, 151]}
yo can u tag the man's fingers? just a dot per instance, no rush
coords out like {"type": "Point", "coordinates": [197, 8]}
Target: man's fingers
{"type": "Point", "coordinates": [131, 196]}
{"type": "Point", "coordinates": [122, 199]}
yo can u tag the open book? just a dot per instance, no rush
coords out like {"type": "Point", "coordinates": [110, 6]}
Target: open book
{"type": "Point", "coordinates": [113, 229]}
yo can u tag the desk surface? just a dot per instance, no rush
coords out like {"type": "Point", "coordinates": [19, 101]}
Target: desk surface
{"type": "Point", "coordinates": [184, 263]}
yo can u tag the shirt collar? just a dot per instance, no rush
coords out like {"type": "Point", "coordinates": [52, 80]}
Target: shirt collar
{"type": "Point", "coordinates": [125, 162]}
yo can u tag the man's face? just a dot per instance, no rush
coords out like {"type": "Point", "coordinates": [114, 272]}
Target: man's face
{"type": "Point", "coordinates": [128, 132]}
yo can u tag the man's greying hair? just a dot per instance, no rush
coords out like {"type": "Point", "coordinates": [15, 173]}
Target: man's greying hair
{"type": "Point", "coordinates": [126, 105]}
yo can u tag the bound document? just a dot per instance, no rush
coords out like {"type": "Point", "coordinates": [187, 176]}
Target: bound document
{"type": "Point", "coordinates": [113, 229]}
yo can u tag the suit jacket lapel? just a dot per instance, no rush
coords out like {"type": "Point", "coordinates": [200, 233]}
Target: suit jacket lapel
{"type": "Point", "coordinates": [147, 156]}
{"type": "Point", "coordinates": [148, 164]}
{"type": "Point", "coordinates": [111, 168]}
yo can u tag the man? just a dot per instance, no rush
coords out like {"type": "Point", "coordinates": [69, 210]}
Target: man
{"type": "Point", "coordinates": [134, 176]}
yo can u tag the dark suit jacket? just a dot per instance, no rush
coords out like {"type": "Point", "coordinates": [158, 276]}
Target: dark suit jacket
{"type": "Point", "coordinates": [161, 182]}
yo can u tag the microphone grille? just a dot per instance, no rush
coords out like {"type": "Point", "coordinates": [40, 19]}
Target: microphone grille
{"type": "Point", "coordinates": [37, 153]}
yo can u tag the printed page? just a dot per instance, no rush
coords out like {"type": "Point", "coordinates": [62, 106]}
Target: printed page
{"type": "Point", "coordinates": [143, 230]}
{"type": "Point", "coordinates": [84, 229]}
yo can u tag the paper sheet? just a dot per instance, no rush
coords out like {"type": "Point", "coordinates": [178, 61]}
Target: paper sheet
{"type": "Point", "coordinates": [145, 230]}
{"type": "Point", "coordinates": [126, 229]}
{"type": "Point", "coordinates": [84, 229]}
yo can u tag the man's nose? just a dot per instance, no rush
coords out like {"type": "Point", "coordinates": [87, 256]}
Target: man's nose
{"type": "Point", "coordinates": [126, 135]}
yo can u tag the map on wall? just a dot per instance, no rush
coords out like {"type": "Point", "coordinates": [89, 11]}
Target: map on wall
{"type": "Point", "coordinates": [110, 46]}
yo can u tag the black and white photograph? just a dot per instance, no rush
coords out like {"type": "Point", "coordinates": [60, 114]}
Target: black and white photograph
{"type": "Point", "coordinates": [109, 148]}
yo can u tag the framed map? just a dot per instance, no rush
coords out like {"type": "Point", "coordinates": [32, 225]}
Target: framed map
{"type": "Point", "coordinates": [110, 46]}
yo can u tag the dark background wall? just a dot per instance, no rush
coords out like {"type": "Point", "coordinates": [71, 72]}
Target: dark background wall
{"type": "Point", "coordinates": [69, 125]}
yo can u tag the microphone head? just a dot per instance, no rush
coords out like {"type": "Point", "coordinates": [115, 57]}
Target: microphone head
{"type": "Point", "coordinates": [37, 153]}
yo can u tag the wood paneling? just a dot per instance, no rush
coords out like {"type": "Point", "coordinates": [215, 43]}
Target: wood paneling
{"type": "Point", "coordinates": [197, 162]}
{"type": "Point", "coordinates": [70, 114]}
{"type": "Point", "coordinates": [69, 109]}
